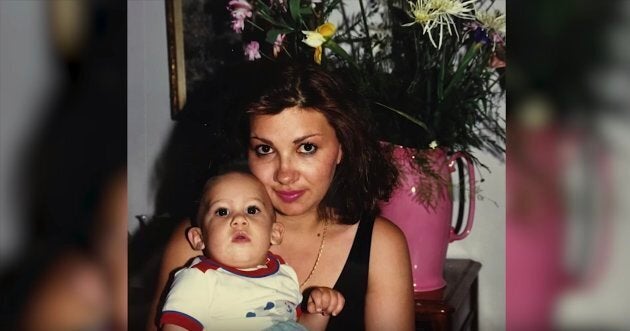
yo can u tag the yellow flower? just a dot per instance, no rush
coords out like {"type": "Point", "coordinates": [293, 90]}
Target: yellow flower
{"type": "Point", "coordinates": [318, 37]}
{"type": "Point", "coordinates": [313, 39]}
{"type": "Point", "coordinates": [327, 30]}
{"type": "Point", "coordinates": [317, 57]}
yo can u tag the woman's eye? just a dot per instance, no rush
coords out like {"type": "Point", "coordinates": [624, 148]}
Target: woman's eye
{"type": "Point", "coordinates": [307, 148]}
{"type": "Point", "coordinates": [252, 210]}
{"type": "Point", "coordinates": [263, 149]}
{"type": "Point", "coordinates": [222, 212]}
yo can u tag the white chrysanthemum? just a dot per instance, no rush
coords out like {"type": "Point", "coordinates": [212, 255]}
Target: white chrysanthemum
{"type": "Point", "coordinates": [492, 21]}
{"type": "Point", "coordinates": [453, 8]}
{"type": "Point", "coordinates": [432, 14]}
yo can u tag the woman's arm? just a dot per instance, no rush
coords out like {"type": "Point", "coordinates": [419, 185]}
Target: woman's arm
{"type": "Point", "coordinates": [389, 301]}
{"type": "Point", "coordinates": [176, 254]}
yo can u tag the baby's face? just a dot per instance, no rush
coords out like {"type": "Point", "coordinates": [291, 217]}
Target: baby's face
{"type": "Point", "coordinates": [237, 221]}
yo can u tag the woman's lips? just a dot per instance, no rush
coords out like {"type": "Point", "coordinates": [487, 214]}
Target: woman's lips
{"type": "Point", "coordinates": [289, 196]}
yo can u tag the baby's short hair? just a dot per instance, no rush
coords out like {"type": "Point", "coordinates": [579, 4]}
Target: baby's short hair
{"type": "Point", "coordinates": [211, 181]}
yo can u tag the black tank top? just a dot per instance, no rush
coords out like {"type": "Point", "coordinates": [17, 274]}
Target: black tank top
{"type": "Point", "coordinates": [353, 280]}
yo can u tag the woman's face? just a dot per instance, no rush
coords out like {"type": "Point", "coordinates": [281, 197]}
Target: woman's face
{"type": "Point", "coordinates": [294, 154]}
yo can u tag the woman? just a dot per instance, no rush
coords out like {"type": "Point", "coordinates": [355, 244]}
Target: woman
{"type": "Point", "coordinates": [324, 173]}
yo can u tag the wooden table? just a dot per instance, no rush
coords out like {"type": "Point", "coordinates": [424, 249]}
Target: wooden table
{"type": "Point", "coordinates": [455, 306]}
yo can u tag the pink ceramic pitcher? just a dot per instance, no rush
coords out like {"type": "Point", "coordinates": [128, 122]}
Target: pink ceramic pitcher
{"type": "Point", "coordinates": [427, 227]}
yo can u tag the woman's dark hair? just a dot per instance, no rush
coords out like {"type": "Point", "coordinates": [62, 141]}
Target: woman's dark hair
{"type": "Point", "coordinates": [365, 175]}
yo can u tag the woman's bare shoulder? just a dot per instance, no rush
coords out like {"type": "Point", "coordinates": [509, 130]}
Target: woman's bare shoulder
{"type": "Point", "coordinates": [387, 233]}
{"type": "Point", "coordinates": [389, 303]}
{"type": "Point", "coordinates": [389, 246]}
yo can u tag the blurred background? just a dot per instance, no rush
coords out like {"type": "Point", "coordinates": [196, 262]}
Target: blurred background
{"type": "Point", "coordinates": [63, 200]}
{"type": "Point", "coordinates": [567, 211]}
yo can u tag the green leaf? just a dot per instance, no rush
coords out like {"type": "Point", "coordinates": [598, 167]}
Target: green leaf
{"type": "Point", "coordinates": [294, 8]}
{"type": "Point", "coordinates": [440, 83]}
{"type": "Point", "coordinates": [262, 6]}
{"type": "Point", "coordinates": [270, 19]}
{"type": "Point", "coordinates": [306, 11]}
{"type": "Point", "coordinates": [341, 53]}
{"type": "Point", "coordinates": [407, 116]}
{"type": "Point", "coordinates": [459, 74]}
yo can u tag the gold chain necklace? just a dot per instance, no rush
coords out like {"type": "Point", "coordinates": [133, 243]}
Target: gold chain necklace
{"type": "Point", "coordinates": [319, 254]}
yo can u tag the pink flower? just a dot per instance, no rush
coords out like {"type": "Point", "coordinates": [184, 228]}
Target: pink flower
{"type": "Point", "coordinates": [252, 51]}
{"type": "Point", "coordinates": [498, 57]}
{"type": "Point", "coordinates": [238, 25]}
{"type": "Point", "coordinates": [496, 62]}
{"type": "Point", "coordinates": [277, 45]}
{"type": "Point", "coordinates": [240, 10]}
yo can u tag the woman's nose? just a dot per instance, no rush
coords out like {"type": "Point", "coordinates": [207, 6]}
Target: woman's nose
{"type": "Point", "coordinates": [239, 220]}
{"type": "Point", "coordinates": [286, 173]}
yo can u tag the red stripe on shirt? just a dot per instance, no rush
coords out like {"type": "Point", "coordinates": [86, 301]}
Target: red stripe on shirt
{"type": "Point", "coordinates": [180, 319]}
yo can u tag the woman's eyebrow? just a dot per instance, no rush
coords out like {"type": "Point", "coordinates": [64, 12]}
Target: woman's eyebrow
{"type": "Point", "coordinates": [261, 139]}
{"type": "Point", "coordinates": [306, 137]}
{"type": "Point", "coordinates": [295, 141]}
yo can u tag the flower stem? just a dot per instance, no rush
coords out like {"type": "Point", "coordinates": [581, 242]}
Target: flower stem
{"type": "Point", "coordinates": [368, 40]}
{"type": "Point", "coordinates": [462, 67]}
{"type": "Point", "coordinates": [254, 25]}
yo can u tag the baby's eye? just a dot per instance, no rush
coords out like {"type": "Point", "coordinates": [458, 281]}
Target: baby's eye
{"type": "Point", "coordinates": [252, 210]}
{"type": "Point", "coordinates": [263, 149]}
{"type": "Point", "coordinates": [307, 148]}
{"type": "Point", "coordinates": [222, 212]}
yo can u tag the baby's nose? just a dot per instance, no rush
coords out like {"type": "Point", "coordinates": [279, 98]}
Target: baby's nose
{"type": "Point", "coordinates": [239, 220]}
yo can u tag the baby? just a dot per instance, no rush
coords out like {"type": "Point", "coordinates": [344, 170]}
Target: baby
{"type": "Point", "coordinates": [239, 284]}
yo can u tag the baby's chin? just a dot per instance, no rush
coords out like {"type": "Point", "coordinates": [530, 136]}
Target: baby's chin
{"type": "Point", "coordinates": [241, 262]}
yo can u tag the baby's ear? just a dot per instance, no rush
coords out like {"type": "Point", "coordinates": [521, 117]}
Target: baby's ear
{"type": "Point", "coordinates": [195, 238]}
{"type": "Point", "coordinates": [277, 231]}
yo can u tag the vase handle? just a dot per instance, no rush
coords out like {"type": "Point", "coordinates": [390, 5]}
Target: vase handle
{"type": "Point", "coordinates": [471, 200]}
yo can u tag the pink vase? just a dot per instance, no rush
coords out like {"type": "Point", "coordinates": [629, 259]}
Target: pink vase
{"type": "Point", "coordinates": [427, 226]}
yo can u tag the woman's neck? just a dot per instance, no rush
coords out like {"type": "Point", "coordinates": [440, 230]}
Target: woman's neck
{"type": "Point", "coordinates": [306, 223]}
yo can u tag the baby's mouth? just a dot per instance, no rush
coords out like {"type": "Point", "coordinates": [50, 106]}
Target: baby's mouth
{"type": "Point", "coordinates": [240, 237]}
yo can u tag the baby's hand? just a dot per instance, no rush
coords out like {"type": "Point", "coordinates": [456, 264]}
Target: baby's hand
{"type": "Point", "coordinates": [325, 301]}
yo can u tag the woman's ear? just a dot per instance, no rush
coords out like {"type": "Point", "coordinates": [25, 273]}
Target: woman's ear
{"type": "Point", "coordinates": [277, 231]}
{"type": "Point", "coordinates": [195, 238]}
{"type": "Point", "coordinates": [339, 154]}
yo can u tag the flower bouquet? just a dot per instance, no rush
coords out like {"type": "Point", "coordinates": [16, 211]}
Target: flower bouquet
{"type": "Point", "coordinates": [433, 70]}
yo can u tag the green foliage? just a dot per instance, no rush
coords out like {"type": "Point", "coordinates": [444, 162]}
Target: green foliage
{"type": "Point", "coordinates": [418, 92]}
